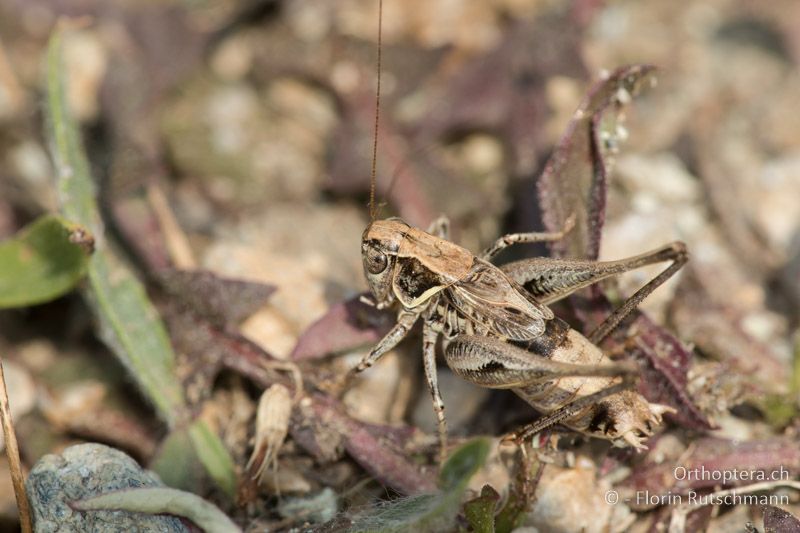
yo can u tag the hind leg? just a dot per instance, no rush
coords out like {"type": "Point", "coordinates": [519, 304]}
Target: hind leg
{"type": "Point", "coordinates": [550, 280]}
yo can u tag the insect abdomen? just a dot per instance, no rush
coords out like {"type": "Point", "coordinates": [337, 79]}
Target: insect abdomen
{"type": "Point", "coordinates": [625, 415]}
{"type": "Point", "coordinates": [572, 348]}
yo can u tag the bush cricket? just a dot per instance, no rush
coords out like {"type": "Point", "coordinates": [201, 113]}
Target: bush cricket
{"type": "Point", "coordinates": [496, 328]}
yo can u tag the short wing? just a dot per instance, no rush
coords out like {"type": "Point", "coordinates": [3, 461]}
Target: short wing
{"type": "Point", "coordinates": [488, 296]}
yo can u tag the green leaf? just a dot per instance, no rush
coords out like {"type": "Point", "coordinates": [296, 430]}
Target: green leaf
{"type": "Point", "coordinates": [213, 456]}
{"type": "Point", "coordinates": [177, 464]}
{"type": "Point", "coordinates": [42, 262]}
{"type": "Point", "coordinates": [779, 409]}
{"type": "Point", "coordinates": [129, 323]}
{"type": "Point", "coordinates": [479, 511]}
{"type": "Point", "coordinates": [429, 512]}
{"type": "Point", "coordinates": [512, 514]}
{"type": "Point", "coordinates": [186, 451]}
{"type": "Point", "coordinates": [160, 500]}
{"type": "Point", "coordinates": [462, 465]}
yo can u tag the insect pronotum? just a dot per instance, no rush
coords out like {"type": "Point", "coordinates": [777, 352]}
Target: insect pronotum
{"type": "Point", "coordinates": [497, 334]}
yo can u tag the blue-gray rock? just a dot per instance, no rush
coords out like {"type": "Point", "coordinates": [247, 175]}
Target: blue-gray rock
{"type": "Point", "coordinates": [89, 470]}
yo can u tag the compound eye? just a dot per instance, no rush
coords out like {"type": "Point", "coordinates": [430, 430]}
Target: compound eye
{"type": "Point", "coordinates": [376, 261]}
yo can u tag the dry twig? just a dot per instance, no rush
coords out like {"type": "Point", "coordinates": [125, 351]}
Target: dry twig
{"type": "Point", "coordinates": [12, 453]}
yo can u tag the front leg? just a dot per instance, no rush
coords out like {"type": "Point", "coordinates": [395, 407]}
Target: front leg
{"type": "Point", "coordinates": [405, 321]}
{"type": "Point", "coordinates": [429, 336]}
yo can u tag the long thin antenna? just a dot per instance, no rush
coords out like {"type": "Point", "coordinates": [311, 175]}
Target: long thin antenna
{"type": "Point", "coordinates": [373, 176]}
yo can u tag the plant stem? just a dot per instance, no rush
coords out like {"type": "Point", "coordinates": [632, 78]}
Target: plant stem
{"type": "Point", "coordinates": [12, 453]}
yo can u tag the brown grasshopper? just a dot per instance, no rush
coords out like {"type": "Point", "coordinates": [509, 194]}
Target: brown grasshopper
{"type": "Point", "coordinates": [497, 334]}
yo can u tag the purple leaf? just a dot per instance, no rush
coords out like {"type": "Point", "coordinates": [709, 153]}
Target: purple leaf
{"type": "Point", "coordinates": [370, 447]}
{"type": "Point", "coordinates": [205, 349]}
{"type": "Point", "coordinates": [222, 301]}
{"type": "Point", "coordinates": [349, 171]}
{"type": "Point", "coordinates": [137, 223]}
{"type": "Point", "coordinates": [574, 181]}
{"type": "Point", "coordinates": [779, 521]}
{"type": "Point", "coordinates": [346, 325]}
{"type": "Point", "coordinates": [664, 372]}
{"type": "Point", "coordinates": [504, 89]}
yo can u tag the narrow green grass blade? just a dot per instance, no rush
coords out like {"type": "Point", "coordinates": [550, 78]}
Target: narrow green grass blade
{"type": "Point", "coordinates": [42, 262]}
{"type": "Point", "coordinates": [213, 456]}
{"type": "Point", "coordinates": [132, 328]}
{"type": "Point", "coordinates": [128, 321]}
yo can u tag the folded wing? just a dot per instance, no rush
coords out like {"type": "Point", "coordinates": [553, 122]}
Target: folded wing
{"type": "Point", "coordinates": [487, 295]}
